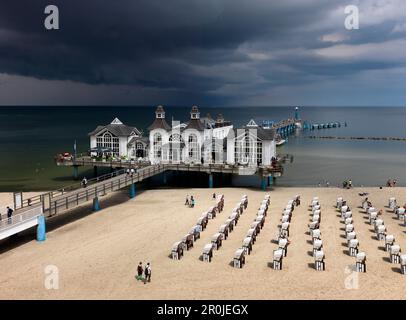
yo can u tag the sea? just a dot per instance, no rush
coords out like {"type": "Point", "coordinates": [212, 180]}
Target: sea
{"type": "Point", "coordinates": [30, 137]}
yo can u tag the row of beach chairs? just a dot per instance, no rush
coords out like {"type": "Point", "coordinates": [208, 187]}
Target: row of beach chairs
{"type": "Point", "coordinates": [398, 211]}
{"type": "Point", "coordinates": [225, 229]}
{"type": "Point", "coordinates": [188, 240]}
{"type": "Point", "coordinates": [377, 222]}
{"type": "Point", "coordinates": [315, 233]}
{"type": "Point", "coordinates": [351, 235]}
{"type": "Point", "coordinates": [283, 235]}
{"type": "Point", "coordinates": [250, 238]}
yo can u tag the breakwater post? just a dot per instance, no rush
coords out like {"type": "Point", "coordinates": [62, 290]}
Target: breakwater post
{"type": "Point", "coordinates": [41, 231]}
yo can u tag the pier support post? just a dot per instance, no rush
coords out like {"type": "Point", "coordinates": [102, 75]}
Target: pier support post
{"type": "Point", "coordinates": [210, 180]}
{"type": "Point", "coordinates": [164, 177]}
{"type": "Point", "coordinates": [41, 231]}
{"type": "Point", "coordinates": [263, 183]}
{"type": "Point", "coordinates": [96, 204]}
{"type": "Point", "coordinates": [95, 171]}
{"type": "Point", "coordinates": [132, 190]}
{"type": "Point", "coordinates": [270, 181]}
{"type": "Point", "coordinates": [75, 172]}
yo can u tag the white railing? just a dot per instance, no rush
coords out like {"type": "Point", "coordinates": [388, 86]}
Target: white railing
{"type": "Point", "coordinates": [15, 220]}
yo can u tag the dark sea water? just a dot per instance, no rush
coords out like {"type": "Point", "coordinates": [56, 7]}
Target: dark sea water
{"type": "Point", "coordinates": [30, 137]}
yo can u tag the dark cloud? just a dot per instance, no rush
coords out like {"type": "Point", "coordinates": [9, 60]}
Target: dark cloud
{"type": "Point", "coordinates": [192, 48]}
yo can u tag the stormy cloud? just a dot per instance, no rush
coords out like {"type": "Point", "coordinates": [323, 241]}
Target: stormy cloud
{"type": "Point", "coordinates": [184, 52]}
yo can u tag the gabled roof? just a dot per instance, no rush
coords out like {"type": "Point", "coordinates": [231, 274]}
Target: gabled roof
{"type": "Point", "coordinates": [262, 133]}
{"type": "Point", "coordinates": [195, 124]}
{"type": "Point", "coordinates": [159, 123]}
{"type": "Point", "coordinates": [117, 128]}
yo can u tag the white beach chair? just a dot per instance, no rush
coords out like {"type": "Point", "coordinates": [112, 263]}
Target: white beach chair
{"type": "Point", "coordinates": [223, 230]}
{"type": "Point", "coordinates": [317, 246]}
{"type": "Point", "coordinates": [317, 213]}
{"type": "Point", "coordinates": [211, 214]}
{"type": "Point", "coordinates": [339, 202]}
{"type": "Point", "coordinates": [402, 259]}
{"type": "Point", "coordinates": [261, 220]}
{"type": "Point", "coordinates": [252, 234]}
{"type": "Point", "coordinates": [353, 247]}
{"type": "Point", "coordinates": [230, 224]}
{"type": "Point", "coordinates": [380, 232]}
{"type": "Point", "coordinates": [257, 226]}
{"type": "Point", "coordinates": [313, 225]}
{"type": "Point", "coordinates": [347, 214]}
{"type": "Point", "coordinates": [316, 218]}
{"type": "Point", "coordinates": [319, 261]}
{"type": "Point", "coordinates": [316, 234]}
{"type": "Point", "coordinates": [285, 218]}
{"type": "Point", "coordinates": [389, 241]}
{"type": "Point", "coordinates": [239, 258]}
{"type": "Point", "coordinates": [394, 253]}
{"type": "Point", "coordinates": [316, 207]}
{"type": "Point", "coordinates": [187, 241]}
{"type": "Point", "coordinates": [277, 259]}
{"type": "Point", "coordinates": [360, 262]}
{"type": "Point", "coordinates": [247, 244]}
{"type": "Point", "coordinates": [283, 245]}
{"type": "Point", "coordinates": [343, 210]}
{"type": "Point", "coordinates": [349, 228]}
{"type": "Point", "coordinates": [392, 203]}
{"type": "Point", "coordinates": [208, 252]}
{"type": "Point", "coordinates": [177, 250]}
{"type": "Point", "coordinates": [372, 217]}
{"type": "Point", "coordinates": [284, 230]}
{"type": "Point", "coordinates": [400, 212]}
{"type": "Point", "coordinates": [216, 240]}
{"type": "Point", "coordinates": [351, 236]}
{"type": "Point", "coordinates": [195, 231]}
{"type": "Point", "coordinates": [348, 221]}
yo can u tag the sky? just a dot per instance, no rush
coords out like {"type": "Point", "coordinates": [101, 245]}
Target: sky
{"type": "Point", "coordinates": [203, 52]}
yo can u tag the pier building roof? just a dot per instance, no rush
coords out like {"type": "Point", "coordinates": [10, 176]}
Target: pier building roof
{"type": "Point", "coordinates": [117, 128]}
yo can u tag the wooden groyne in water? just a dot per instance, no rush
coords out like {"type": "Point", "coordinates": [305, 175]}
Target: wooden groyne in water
{"type": "Point", "coordinates": [359, 138]}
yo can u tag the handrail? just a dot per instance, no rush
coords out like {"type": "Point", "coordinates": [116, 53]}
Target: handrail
{"type": "Point", "coordinates": [17, 219]}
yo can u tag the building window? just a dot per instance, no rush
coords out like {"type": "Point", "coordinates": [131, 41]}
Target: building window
{"type": "Point", "coordinates": [157, 146]}
{"type": "Point", "coordinates": [108, 141]}
{"type": "Point", "coordinates": [259, 152]}
{"type": "Point", "coordinates": [193, 147]}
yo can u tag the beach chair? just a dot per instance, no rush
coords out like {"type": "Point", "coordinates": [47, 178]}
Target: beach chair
{"type": "Point", "coordinates": [316, 218]}
{"type": "Point", "coordinates": [234, 217]}
{"type": "Point", "coordinates": [319, 261]}
{"type": "Point", "coordinates": [230, 224]}
{"type": "Point", "coordinates": [261, 220]}
{"type": "Point", "coordinates": [313, 225]}
{"type": "Point", "coordinates": [347, 214]}
{"type": "Point", "coordinates": [285, 218]}
{"type": "Point", "coordinates": [316, 234]}
{"type": "Point", "coordinates": [317, 213]}
{"type": "Point", "coordinates": [195, 231]}
{"type": "Point", "coordinates": [264, 207]}
{"type": "Point", "coordinates": [372, 217]}
{"type": "Point", "coordinates": [297, 200]}
{"type": "Point", "coordinates": [394, 253]}
{"type": "Point", "coordinates": [284, 230]}
{"type": "Point", "coordinates": [380, 232]}
{"type": "Point", "coordinates": [289, 207]}
{"type": "Point", "coordinates": [212, 213]}
{"type": "Point", "coordinates": [177, 250]}
{"type": "Point", "coordinates": [348, 221]}
{"type": "Point", "coordinates": [353, 247]}
{"type": "Point", "coordinates": [223, 230]}
{"type": "Point", "coordinates": [344, 209]}
{"type": "Point", "coordinates": [402, 259]}
{"type": "Point", "coordinates": [239, 258]}
{"type": "Point", "coordinates": [277, 259]}
{"type": "Point", "coordinates": [257, 226]}
{"type": "Point", "coordinates": [360, 262]}
{"type": "Point", "coordinates": [252, 234]}
{"type": "Point", "coordinates": [339, 203]}
{"type": "Point", "coordinates": [314, 203]}
{"type": "Point", "coordinates": [350, 236]}
{"type": "Point", "coordinates": [202, 222]}
{"type": "Point", "coordinates": [316, 207]}
{"type": "Point", "coordinates": [389, 241]}
{"type": "Point", "coordinates": [400, 212]}
{"type": "Point", "coordinates": [317, 245]}
{"type": "Point", "coordinates": [216, 240]}
{"type": "Point", "coordinates": [245, 201]}
{"type": "Point", "coordinates": [349, 228]}
{"type": "Point", "coordinates": [208, 252]}
{"type": "Point", "coordinates": [187, 241]}
{"type": "Point", "coordinates": [283, 245]}
{"type": "Point", "coordinates": [247, 244]}
{"type": "Point", "coordinates": [392, 203]}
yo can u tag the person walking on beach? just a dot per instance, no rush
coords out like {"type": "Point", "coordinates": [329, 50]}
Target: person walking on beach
{"type": "Point", "coordinates": [349, 184]}
{"type": "Point", "coordinates": [214, 196]}
{"type": "Point", "coordinates": [192, 201]}
{"type": "Point", "coordinates": [147, 273]}
{"type": "Point", "coordinates": [139, 271]}
{"type": "Point", "coordinates": [187, 200]}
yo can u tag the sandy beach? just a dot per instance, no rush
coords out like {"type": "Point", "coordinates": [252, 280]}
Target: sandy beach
{"type": "Point", "coordinates": [97, 253]}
